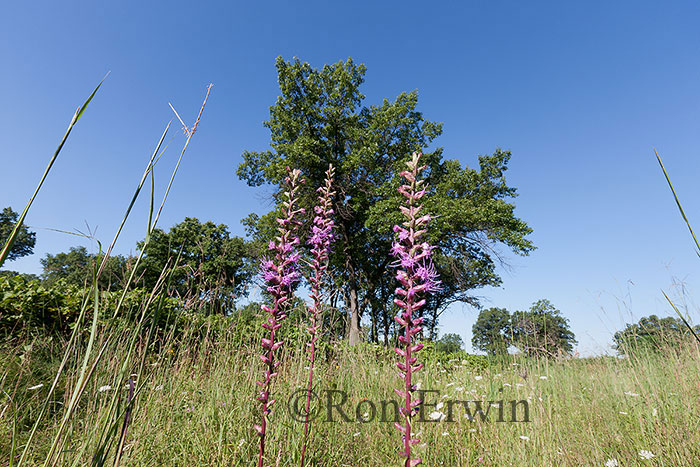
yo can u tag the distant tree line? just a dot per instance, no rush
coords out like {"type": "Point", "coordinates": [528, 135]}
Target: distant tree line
{"type": "Point", "coordinates": [653, 334]}
{"type": "Point", "coordinates": [540, 331]}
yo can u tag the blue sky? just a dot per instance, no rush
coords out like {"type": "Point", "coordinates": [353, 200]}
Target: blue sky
{"type": "Point", "coordinates": [580, 93]}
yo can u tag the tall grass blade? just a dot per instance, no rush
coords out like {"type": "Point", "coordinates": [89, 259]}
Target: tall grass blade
{"type": "Point", "coordinates": [695, 239]}
{"type": "Point", "coordinates": [678, 203]}
{"type": "Point", "coordinates": [113, 418]}
{"type": "Point", "coordinates": [687, 324]}
{"type": "Point", "coordinates": [84, 376]}
{"type": "Point", "coordinates": [13, 236]}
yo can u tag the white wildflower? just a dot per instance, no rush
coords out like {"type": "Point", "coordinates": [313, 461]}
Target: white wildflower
{"type": "Point", "coordinates": [459, 389]}
{"type": "Point", "coordinates": [654, 412]}
{"type": "Point", "coordinates": [439, 405]}
{"type": "Point", "coordinates": [436, 415]}
{"type": "Point", "coordinates": [449, 384]}
{"type": "Point", "coordinates": [644, 454]}
{"type": "Point", "coordinates": [445, 433]}
{"type": "Point", "coordinates": [611, 463]}
{"type": "Point", "coordinates": [478, 378]}
{"type": "Point", "coordinates": [623, 413]}
{"type": "Point", "coordinates": [631, 394]}
{"type": "Point", "coordinates": [543, 377]}
{"type": "Point", "coordinates": [355, 435]}
{"type": "Point", "coordinates": [525, 438]}
{"type": "Point", "coordinates": [104, 388]}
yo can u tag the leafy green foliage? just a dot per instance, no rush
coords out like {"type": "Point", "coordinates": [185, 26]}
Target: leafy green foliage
{"type": "Point", "coordinates": [319, 119]}
{"type": "Point", "coordinates": [491, 332]}
{"type": "Point", "coordinates": [449, 343]}
{"type": "Point", "coordinates": [29, 306]}
{"type": "Point", "coordinates": [432, 355]}
{"type": "Point", "coordinates": [76, 266]}
{"type": "Point", "coordinates": [542, 331]}
{"type": "Point", "coordinates": [25, 240]}
{"type": "Point", "coordinates": [212, 266]}
{"type": "Point", "coordinates": [28, 277]}
{"type": "Point", "coordinates": [652, 334]}
{"type": "Point", "coordinates": [34, 307]}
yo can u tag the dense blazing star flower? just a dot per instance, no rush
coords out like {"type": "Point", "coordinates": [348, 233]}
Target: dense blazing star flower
{"type": "Point", "coordinates": [321, 238]}
{"type": "Point", "coordinates": [429, 276]}
{"type": "Point", "coordinates": [418, 277]}
{"type": "Point", "coordinates": [280, 274]}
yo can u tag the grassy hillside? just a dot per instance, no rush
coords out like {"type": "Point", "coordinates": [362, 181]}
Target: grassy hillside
{"type": "Point", "coordinates": [194, 405]}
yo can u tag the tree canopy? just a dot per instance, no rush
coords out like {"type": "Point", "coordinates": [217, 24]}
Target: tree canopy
{"type": "Point", "coordinates": [25, 240]}
{"type": "Point", "coordinates": [491, 332]}
{"type": "Point", "coordinates": [542, 331]}
{"type": "Point", "coordinates": [449, 343]}
{"type": "Point", "coordinates": [212, 266]}
{"type": "Point", "coordinates": [76, 266]}
{"type": "Point", "coordinates": [652, 333]}
{"type": "Point", "coordinates": [318, 119]}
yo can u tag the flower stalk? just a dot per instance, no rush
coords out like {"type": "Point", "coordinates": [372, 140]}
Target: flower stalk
{"type": "Point", "coordinates": [280, 273]}
{"type": "Point", "coordinates": [418, 278]}
{"type": "Point", "coordinates": [321, 239]}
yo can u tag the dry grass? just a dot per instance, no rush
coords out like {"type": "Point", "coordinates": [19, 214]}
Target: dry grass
{"type": "Point", "coordinates": [195, 406]}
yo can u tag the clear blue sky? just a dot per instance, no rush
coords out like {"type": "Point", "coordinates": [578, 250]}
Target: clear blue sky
{"type": "Point", "coordinates": [580, 93]}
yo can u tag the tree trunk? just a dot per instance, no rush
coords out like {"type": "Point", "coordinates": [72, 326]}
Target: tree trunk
{"type": "Point", "coordinates": [387, 324]}
{"type": "Point", "coordinates": [354, 313]}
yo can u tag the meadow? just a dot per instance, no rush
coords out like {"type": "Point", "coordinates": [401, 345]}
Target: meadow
{"type": "Point", "coordinates": [195, 406]}
{"type": "Point", "coordinates": [122, 387]}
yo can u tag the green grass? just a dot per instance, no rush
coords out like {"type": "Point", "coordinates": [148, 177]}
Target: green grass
{"type": "Point", "coordinates": [195, 406]}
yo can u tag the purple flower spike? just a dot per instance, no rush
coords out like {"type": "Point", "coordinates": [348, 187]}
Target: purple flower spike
{"type": "Point", "coordinates": [418, 277]}
{"type": "Point", "coordinates": [280, 274]}
{"type": "Point", "coordinates": [322, 236]}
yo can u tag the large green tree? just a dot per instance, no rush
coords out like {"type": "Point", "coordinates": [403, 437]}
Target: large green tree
{"type": "Point", "coordinates": [318, 119]}
{"type": "Point", "coordinates": [211, 267]}
{"type": "Point", "coordinates": [652, 334]}
{"type": "Point", "coordinates": [449, 343]}
{"type": "Point", "coordinates": [491, 332]}
{"type": "Point", "coordinates": [76, 267]}
{"type": "Point", "coordinates": [25, 240]}
{"type": "Point", "coordinates": [542, 331]}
